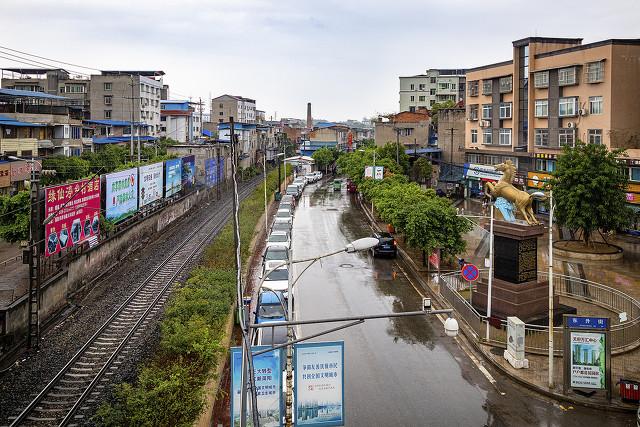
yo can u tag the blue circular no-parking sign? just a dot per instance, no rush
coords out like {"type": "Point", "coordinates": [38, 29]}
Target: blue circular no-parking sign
{"type": "Point", "coordinates": [470, 272]}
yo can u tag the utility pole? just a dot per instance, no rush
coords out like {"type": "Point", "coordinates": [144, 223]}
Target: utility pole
{"type": "Point", "coordinates": [200, 106]}
{"type": "Point", "coordinates": [34, 261]}
{"type": "Point", "coordinates": [132, 118]}
{"type": "Point", "coordinates": [490, 281]}
{"type": "Point", "coordinates": [398, 146]}
{"type": "Point", "coordinates": [550, 325]}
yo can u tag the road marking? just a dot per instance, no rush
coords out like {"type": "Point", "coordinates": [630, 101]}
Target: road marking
{"type": "Point", "coordinates": [463, 346]}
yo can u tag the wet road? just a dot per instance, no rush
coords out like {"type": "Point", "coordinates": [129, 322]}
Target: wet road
{"type": "Point", "coordinates": [401, 372]}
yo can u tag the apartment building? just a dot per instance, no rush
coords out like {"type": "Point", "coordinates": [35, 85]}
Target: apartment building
{"type": "Point", "coordinates": [436, 85]}
{"type": "Point", "coordinates": [114, 95]}
{"type": "Point", "coordinates": [53, 81]}
{"type": "Point", "coordinates": [553, 92]}
{"type": "Point", "coordinates": [325, 134]}
{"type": "Point", "coordinates": [180, 121]}
{"type": "Point", "coordinates": [243, 110]}
{"type": "Point", "coordinates": [411, 129]}
{"type": "Point", "coordinates": [247, 137]}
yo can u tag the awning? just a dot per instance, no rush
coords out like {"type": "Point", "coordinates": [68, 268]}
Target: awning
{"type": "Point", "coordinates": [7, 121]}
{"type": "Point", "coordinates": [45, 143]}
{"type": "Point", "coordinates": [115, 123]}
{"type": "Point", "coordinates": [17, 93]}
{"type": "Point", "coordinates": [207, 133]}
{"type": "Point", "coordinates": [123, 139]}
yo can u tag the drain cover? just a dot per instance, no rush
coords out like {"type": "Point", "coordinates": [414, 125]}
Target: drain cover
{"type": "Point", "coordinates": [346, 265]}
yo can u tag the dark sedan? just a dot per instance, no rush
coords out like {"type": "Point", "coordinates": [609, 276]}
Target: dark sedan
{"type": "Point", "coordinates": [386, 247]}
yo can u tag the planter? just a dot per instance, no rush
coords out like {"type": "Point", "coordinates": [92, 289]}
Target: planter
{"type": "Point", "coordinates": [574, 249]}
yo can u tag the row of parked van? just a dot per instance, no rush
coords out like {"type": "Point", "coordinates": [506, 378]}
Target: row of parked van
{"type": "Point", "coordinates": [273, 295]}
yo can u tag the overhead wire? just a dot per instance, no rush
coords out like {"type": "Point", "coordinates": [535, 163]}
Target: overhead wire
{"type": "Point", "coordinates": [48, 59]}
{"type": "Point", "coordinates": [33, 61]}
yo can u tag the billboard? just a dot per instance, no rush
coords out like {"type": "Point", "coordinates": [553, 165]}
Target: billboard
{"type": "Point", "coordinates": [210, 172]}
{"type": "Point", "coordinates": [172, 177]}
{"type": "Point", "coordinates": [77, 220]}
{"type": "Point", "coordinates": [319, 383]}
{"type": "Point", "coordinates": [588, 360]}
{"type": "Point", "coordinates": [378, 172]}
{"type": "Point", "coordinates": [151, 183]}
{"type": "Point", "coordinates": [221, 170]}
{"type": "Point", "coordinates": [368, 171]}
{"type": "Point", "coordinates": [188, 172]}
{"type": "Point", "coordinates": [121, 199]}
{"type": "Point", "coordinates": [5, 175]}
{"type": "Point", "coordinates": [21, 171]}
{"type": "Point", "coordinates": [268, 377]}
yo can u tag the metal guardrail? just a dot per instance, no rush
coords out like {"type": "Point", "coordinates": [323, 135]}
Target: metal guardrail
{"type": "Point", "coordinates": [624, 336]}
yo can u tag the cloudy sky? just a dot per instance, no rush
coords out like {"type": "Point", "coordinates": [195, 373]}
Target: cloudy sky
{"type": "Point", "coordinates": [343, 56]}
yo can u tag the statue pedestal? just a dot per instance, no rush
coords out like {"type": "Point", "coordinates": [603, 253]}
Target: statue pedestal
{"type": "Point", "coordinates": [515, 290]}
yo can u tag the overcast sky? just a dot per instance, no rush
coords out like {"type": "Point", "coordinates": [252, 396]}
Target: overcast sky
{"type": "Point", "coordinates": [343, 56]}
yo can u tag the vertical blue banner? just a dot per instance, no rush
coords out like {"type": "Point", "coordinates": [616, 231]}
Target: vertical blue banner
{"type": "Point", "coordinates": [210, 172]}
{"type": "Point", "coordinates": [268, 376]}
{"type": "Point", "coordinates": [319, 383]}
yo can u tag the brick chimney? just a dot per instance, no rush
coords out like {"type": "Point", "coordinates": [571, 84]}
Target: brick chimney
{"type": "Point", "coordinates": [309, 119]}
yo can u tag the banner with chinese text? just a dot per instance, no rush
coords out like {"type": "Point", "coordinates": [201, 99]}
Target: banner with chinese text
{"type": "Point", "coordinates": [173, 177]}
{"type": "Point", "coordinates": [188, 172]}
{"type": "Point", "coordinates": [319, 383]}
{"type": "Point", "coordinates": [75, 221]}
{"type": "Point", "coordinates": [121, 199]}
{"type": "Point", "coordinates": [211, 172]}
{"type": "Point", "coordinates": [151, 183]}
{"type": "Point", "coordinates": [268, 377]}
{"type": "Point", "coordinates": [588, 360]}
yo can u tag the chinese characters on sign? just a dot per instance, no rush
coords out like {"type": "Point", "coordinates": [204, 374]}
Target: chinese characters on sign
{"type": "Point", "coordinates": [173, 177]}
{"type": "Point", "coordinates": [588, 360]}
{"type": "Point", "coordinates": [319, 383]}
{"type": "Point", "coordinates": [188, 172]}
{"type": "Point", "coordinates": [151, 183]}
{"type": "Point", "coordinates": [77, 220]}
{"type": "Point", "coordinates": [121, 199]}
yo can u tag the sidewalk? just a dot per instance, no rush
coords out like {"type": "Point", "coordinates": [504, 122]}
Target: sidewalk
{"type": "Point", "coordinates": [626, 365]}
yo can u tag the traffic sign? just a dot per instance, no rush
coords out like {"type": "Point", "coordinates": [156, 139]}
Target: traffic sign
{"type": "Point", "coordinates": [470, 272]}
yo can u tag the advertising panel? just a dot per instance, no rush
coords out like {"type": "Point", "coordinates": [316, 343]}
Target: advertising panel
{"type": "Point", "coordinates": [188, 172]}
{"type": "Point", "coordinates": [537, 179]}
{"type": "Point", "coordinates": [319, 383]}
{"type": "Point", "coordinates": [378, 172]}
{"type": "Point", "coordinates": [588, 360]}
{"type": "Point", "coordinates": [210, 172]}
{"type": "Point", "coordinates": [151, 183]}
{"type": "Point", "coordinates": [5, 175]}
{"type": "Point", "coordinates": [268, 377]}
{"type": "Point", "coordinates": [472, 170]}
{"type": "Point", "coordinates": [173, 177]}
{"type": "Point", "coordinates": [221, 170]}
{"type": "Point", "coordinates": [368, 171]}
{"type": "Point", "coordinates": [77, 220]}
{"type": "Point", "coordinates": [21, 171]}
{"type": "Point", "coordinates": [121, 199]}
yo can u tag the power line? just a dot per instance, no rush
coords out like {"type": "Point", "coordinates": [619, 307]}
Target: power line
{"type": "Point", "coordinates": [49, 59]}
{"type": "Point", "coordinates": [33, 61]}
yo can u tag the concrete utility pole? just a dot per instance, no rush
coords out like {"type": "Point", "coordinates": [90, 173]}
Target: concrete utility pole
{"type": "Point", "coordinates": [490, 282]}
{"type": "Point", "coordinates": [34, 261]}
{"type": "Point", "coordinates": [132, 118]}
{"type": "Point", "coordinates": [550, 289]}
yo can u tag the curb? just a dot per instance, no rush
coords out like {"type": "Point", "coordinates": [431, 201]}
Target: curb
{"type": "Point", "coordinates": [408, 261]}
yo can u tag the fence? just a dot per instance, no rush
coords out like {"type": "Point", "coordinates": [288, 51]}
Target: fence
{"type": "Point", "coordinates": [624, 336]}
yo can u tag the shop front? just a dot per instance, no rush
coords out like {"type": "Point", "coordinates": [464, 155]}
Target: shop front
{"type": "Point", "coordinates": [538, 181]}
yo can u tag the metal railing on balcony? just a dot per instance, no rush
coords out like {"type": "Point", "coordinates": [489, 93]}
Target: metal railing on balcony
{"type": "Point", "coordinates": [624, 335]}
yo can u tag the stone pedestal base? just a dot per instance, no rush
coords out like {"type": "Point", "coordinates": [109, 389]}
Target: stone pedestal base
{"type": "Point", "coordinates": [518, 364]}
{"type": "Point", "coordinates": [526, 300]}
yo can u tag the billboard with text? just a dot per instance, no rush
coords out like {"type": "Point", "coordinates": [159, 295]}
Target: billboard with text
{"type": "Point", "coordinates": [121, 200]}
{"type": "Point", "coordinates": [188, 172]}
{"type": "Point", "coordinates": [151, 183]}
{"type": "Point", "coordinates": [173, 177]}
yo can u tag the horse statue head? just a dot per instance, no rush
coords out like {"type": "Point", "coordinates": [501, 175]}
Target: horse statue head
{"type": "Point", "coordinates": [509, 170]}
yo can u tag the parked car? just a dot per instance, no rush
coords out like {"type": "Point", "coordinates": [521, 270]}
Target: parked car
{"type": "Point", "coordinates": [281, 226]}
{"type": "Point", "coordinates": [301, 181]}
{"type": "Point", "coordinates": [311, 177]}
{"type": "Point", "coordinates": [337, 185]}
{"type": "Point", "coordinates": [278, 280]}
{"type": "Point", "coordinates": [387, 245]}
{"type": "Point", "coordinates": [318, 175]}
{"type": "Point", "coordinates": [284, 213]}
{"type": "Point", "coordinates": [279, 238]}
{"type": "Point", "coordinates": [271, 307]}
{"type": "Point", "coordinates": [287, 205]}
{"type": "Point", "coordinates": [271, 336]}
{"type": "Point", "coordinates": [294, 190]}
{"type": "Point", "coordinates": [274, 256]}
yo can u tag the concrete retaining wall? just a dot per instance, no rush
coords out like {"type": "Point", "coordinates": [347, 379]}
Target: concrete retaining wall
{"type": "Point", "coordinates": [90, 265]}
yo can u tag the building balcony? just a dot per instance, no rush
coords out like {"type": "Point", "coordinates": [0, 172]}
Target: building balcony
{"type": "Point", "coordinates": [19, 146]}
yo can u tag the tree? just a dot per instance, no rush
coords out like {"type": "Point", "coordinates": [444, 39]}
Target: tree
{"type": "Point", "coordinates": [67, 169]}
{"type": "Point", "coordinates": [589, 190]}
{"type": "Point", "coordinates": [435, 108]}
{"type": "Point", "coordinates": [323, 157]}
{"type": "Point", "coordinates": [421, 170]}
{"type": "Point", "coordinates": [14, 217]}
{"type": "Point", "coordinates": [393, 150]}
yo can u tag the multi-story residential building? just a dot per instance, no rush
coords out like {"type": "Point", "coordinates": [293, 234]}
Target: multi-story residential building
{"type": "Point", "coordinates": [553, 92]}
{"type": "Point", "coordinates": [243, 110]}
{"type": "Point", "coordinates": [325, 134]}
{"type": "Point", "coordinates": [411, 129]}
{"type": "Point", "coordinates": [54, 81]}
{"type": "Point", "coordinates": [247, 136]}
{"type": "Point", "coordinates": [436, 85]}
{"type": "Point", "coordinates": [127, 96]}
{"type": "Point", "coordinates": [180, 121]}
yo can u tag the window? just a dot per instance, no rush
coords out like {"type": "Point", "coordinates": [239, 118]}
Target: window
{"type": "Point", "coordinates": [432, 91]}
{"type": "Point", "coordinates": [421, 86]}
{"type": "Point", "coordinates": [421, 98]}
{"type": "Point", "coordinates": [431, 103]}
{"type": "Point", "coordinates": [635, 174]}
{"type": "Point", "coordinates": [567, 106]}
{"type": "Point", "coordinates": [473, 88]}
{"type": "Point", "coordinates": [107, 86]}
{"type": "Point", "coordinates": [506, 84]}
{"type": "Point", "coordinates": [505, 110]}
{"type": "Point", "coordinates": [595, 72]}
{"type": "Point", "coordinates": [75, 88]}
{"type": "Point", "coordinates": [61, 91]}
{"type": "Point", "coordinates": [566, 137]}
{"type": "Point", "coordinates": [545, 165]}
{"type": "Point", "coordinates": [542, 108]}
{"type": "Point", "coordinates": [595, 136]}
{"type": "Point", "coordinates": [492, 160]}
{"type": "Point", "coordinates": [474, 136]}
{"type": "Point", "coordinates": [412, 109]}
{"type": "Point", "coordinates": [412, 87]}
{"type": "Point", "coordinates": [407, 132]}
{"type": "Point", "coordinates": [473, 158]}
{"type": "Point", "coordinates": [433, 80]}
{"type": "Point", "coordinates": [221, 113]}
{"type": "Point", "coordinates": [541, 79]}
{"type": "Point", "coordinates": [595, 104]}
{"type": "Point", "coordinates": [107, 114]}
{"type": "Point", "coordinates": [413, 98]}
{"type": "Point", "coordinates": [487, 86]}
{"type": "Point", "coordinates": [221, 106]}
{"type": "Point", "coordinates": [505, 137]}
{"type": "Point", "coordinates": [473, 112]}
{"type": "Point", "coordinates": [486, 111]}
{"type": "Point", "coordinates": [443, 86]}
{"type": "Point", "coordinates": [567, 76]}
{"type": "Point", "coordinates": [487, 136]}
{"type": "Point", "coordinates": [541, 137]}
{"type": "Point", "coordinates": [108, 100]}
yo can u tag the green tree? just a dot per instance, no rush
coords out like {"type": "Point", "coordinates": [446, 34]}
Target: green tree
{"type": "Point", "coordinates": [421, 170]}
{"type": "Point", "coordinates": [67, 169]}
{"type": "Point", "coordinates": [393, 150]}
{"type": "Point", "coordinates": [323, 157]}
{"type": "Point", "coordinates": [589, 190]}
{"type": "Point", "coordinates": [367, 143]}
{"type": "Point", "coordinates": [14, 217]}
{"type": "Point", "coordinates": [435, 108]}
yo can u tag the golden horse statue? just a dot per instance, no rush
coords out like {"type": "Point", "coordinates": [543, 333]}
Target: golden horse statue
{"type": "Point", "coordinates": [504, 188]}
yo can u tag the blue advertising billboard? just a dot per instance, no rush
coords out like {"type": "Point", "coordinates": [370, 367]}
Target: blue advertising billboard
{"type": "Point", "coordinates": [221, 170]}
{"type": "Point", "coordinates": [188, 172]}
{"type": "Point", "coordinates": [268, 377]}
{"type": "Point", "coordinates": [210, 172]}
{"type": "Point", "coordinates": [121, 200]}
{"type": "Point", "coordinates": [319, 383]}
{"type": "Point", "coordinates": [150, 183]}
{"type": "Point", "coordinates": [172, 177]}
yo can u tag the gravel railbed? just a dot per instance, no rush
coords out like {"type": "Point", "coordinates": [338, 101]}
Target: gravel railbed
{"type": "Point", "coordinates": [33, 370]}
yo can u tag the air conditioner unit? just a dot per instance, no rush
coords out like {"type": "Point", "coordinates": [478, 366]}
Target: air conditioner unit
{"type": "Point", "coordinates": [485, 123]}
{"type": "Point", "coordinates": [571, 125]}
{"type": "Point", "coordinates": [583, 112]}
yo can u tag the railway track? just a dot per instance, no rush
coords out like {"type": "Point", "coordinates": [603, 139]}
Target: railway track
{"type": "Point", "coordinates": [69, 397]}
